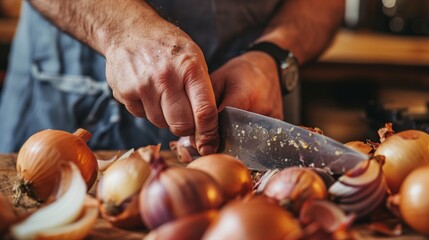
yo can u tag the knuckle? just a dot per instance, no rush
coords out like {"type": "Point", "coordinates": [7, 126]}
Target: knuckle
{"type": "Point", "coordinates": [182, 128]}
{"type": "Point", "coordinates": [206, 116]}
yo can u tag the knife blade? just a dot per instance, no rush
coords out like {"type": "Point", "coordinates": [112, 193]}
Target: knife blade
{"type": "Point", "coordinates": [264, 143]}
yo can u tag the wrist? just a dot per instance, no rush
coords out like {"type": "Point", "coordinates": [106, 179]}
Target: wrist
{"type": "Point", "coordinates": [286, 62]}
{"type": "Point", "coordinates": [136, 18]}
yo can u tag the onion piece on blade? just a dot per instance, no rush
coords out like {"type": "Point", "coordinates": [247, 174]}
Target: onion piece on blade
{"type": "Point", "coordinates": [184, 150]}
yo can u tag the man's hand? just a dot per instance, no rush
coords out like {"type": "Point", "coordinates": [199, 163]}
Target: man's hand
{"type": "Point", "coordinates": [160, 73]}
{"type": "Point", "coordinates": [250, 82]}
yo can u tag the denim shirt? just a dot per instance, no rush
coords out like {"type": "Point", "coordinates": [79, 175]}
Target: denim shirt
{"type": "Point", "coordinates": [54, 81]}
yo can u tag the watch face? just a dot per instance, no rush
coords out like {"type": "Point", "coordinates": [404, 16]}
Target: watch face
{"type": "Point", "coordinates": [289, 70]}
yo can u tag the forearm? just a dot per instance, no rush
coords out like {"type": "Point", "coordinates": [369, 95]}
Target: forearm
{"type": "Point", "coordinates": [98, 23]}
{"type": "Point", "coordinates": [306, 27]}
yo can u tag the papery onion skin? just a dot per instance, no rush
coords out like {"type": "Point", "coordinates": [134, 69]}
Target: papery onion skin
{"type": "Point", "coordinates": [231, 174]}
{"type": "Point", "coordinates": [294, 186]}
{"type": "Point", "coordinates": [190, 227]}
{"type": "Point", "coordinates": [176, 192]}
{"type": "Point", "coordinates": [414, 199]}
{"type": "Point", "coordinates": [184, 150]}
{"type": "Point", "coordinates": [359, 146]}
{"type": "Point", "coordinates": [404, 151]}
{"type": "Point", "coordinates": [255, 218]}
{"type": "Point", "coordinates": [38, 161]}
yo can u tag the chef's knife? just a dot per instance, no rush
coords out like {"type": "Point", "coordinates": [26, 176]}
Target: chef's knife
{"type": "Point", "coordinates": [264, 143]}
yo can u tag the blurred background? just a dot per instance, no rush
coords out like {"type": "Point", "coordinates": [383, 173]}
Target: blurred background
{"type": "Point", "coordinates": [375, 71]}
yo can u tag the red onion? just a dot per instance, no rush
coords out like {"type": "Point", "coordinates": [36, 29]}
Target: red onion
{"type": "Point", "coordinates": [174, 192]}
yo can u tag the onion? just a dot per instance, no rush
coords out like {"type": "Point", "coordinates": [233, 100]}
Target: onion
{"type": "Point", "coordinates": [361, 189]}
{"type": "Point", "coordinates": [231, 174]}
{"type": "Point", "coordinates": [414, 199]}
{"type": "Point", "coordinates": [8, 215]}
{"type": "Point", "coordinates": [174, 192]}
{"type": "Point", "coordinates": [184, 150]}
{"type": "Point", "coordinates": [78, 229]}
{"type": "Point", "coordinates": [104, 164]}
{"type": "Point", "coordinates": [255, 218]}
{"type": "Point", "coordinates": [328, 218]}
{"type": "Point", "coordinates": [292, 186]}
{"type": "Point", "coordinates": [65, 210]}
{"type": "Point", "coordinates": [118, 190]}
{"type": "Point", "coordinates": [191, 227]}
{"type": "Point", "coordinates": [404, 151]}
{"type": "Point", "coordinates": [360, 146]}
{"type": "Point", "coordinates": [260, 185]}
{"type": "Point", "coordinates": [39, 159]}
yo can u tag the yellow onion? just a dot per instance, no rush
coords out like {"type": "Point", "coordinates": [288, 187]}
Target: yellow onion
{"type": "Point", "coordinates": [58, 217]}
{"type": "Point", "coordinates": [359, 146]}
{"type": "Point", "coordinates": [8, 215]}
{"type": "Point", "coordinates": [253, 218]}
{"type": "Point", "coordinates": [190, 227]}
{"type": "Point", "coordinates": [118, 191]}
{"type": "Point", "coordinates": [39, 159]}
{"type": "Point", "coordinates": [414, 199]}
{"type": "Point", "coordinates": [175, 192]}
{"type": "Point", "coordinates": [293, 186]}
{"type": "Point", "coordinates": [231, 174]}
{"type": "Point", "coordinates": [404, 151]}
{"type": "Point", "coordinates": [79, 229]}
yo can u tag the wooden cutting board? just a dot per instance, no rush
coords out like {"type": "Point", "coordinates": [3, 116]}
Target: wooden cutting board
{"type": "Point", "coordinates": [104, 230]}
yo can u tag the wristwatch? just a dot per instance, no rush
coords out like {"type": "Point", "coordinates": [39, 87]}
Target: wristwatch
{"type": "Point", "coordinates": [287, 64]}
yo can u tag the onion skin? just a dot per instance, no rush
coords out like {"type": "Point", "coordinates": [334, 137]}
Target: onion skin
{"type": "Point", "coordinates": [293, 186]}
{"type": "Point", "coordinates": [191, 227]}
{"type": "Point", "coordinates": [414, 200]}
{"type": "Point", "coordinates": [359, 146]}
{"type": "Point", "coordinates": [232, 175]}
{"type": "Point", "coordinates": [256, 218]}
{"type": "Point", "coordinates": [404, 151]}
{"type": "Point", "coordinates": [176, 192]}
{"type": "Point", "coordinates": [39, 159]}
{"type": "Point", "coordinates": [184, 150]}
{"type": "Point", "coordinates": [119, 187]}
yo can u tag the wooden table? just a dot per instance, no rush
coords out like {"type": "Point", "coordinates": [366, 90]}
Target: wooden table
{"type": "Point", "coordinates": [103, 229]}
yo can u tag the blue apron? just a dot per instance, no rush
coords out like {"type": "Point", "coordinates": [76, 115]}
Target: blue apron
{"type": "Point", "coordinates": [54, 81]}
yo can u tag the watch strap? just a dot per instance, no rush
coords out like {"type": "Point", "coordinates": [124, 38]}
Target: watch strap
{"type": "Point", "coordinates": [277, 53]}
